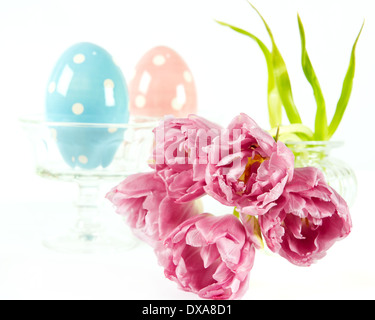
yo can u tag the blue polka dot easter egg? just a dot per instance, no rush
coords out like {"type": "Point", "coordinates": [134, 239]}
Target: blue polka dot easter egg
{"type": "Point", "coordinates": [86, 86]}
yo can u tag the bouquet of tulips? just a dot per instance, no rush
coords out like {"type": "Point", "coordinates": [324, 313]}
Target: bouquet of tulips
{"type": "Point", "coordinates": [294, 211]}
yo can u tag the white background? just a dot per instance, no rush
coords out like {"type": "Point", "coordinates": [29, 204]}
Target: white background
{"type": "Point", "coordinates": [231, 77]}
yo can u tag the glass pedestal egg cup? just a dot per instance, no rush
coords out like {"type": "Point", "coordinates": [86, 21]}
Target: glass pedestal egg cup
{"type": "Point", "coordinates": [90, 155]}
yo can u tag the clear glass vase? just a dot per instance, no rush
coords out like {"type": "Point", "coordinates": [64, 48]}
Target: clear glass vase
{"type": "Point", "coordinates": [338, 174]}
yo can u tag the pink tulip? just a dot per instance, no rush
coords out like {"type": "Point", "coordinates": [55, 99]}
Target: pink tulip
{"type": "Point", "coordinates": [308, 219]}
{"type": "Point", "coordinates": [210, 256]}
{"type": "Point", "coordinates": [150, 213]}
{"type": "Point", "coordinates": [179, 155]}
{"type": "Point", "coordinates": [247, 168]}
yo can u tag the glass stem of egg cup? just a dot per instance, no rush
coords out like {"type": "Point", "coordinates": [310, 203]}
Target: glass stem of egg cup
{"type": "Point", "coordinates": [87, 226]}
{"type": "Point", "coordinates": [89, 232]}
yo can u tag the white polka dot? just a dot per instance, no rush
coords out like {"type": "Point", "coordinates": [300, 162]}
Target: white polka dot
{"type": "Point", "coordinates": [73, 159]}
{"type": "Point", "coordinates": [52, 87]}
{"type": "Point", "coordinates": [158, 60]}
{"type": "Point", "coordinates": [187, 76]}
{"type": "Point", "coordinates": [112, 130]}
{"type": "Point", "coordinates": [78, 108]}
{"type": "Point", "coordinates": [140, 101]}
{"type": "Point", "coordinates": [83, 159]}
{"type": "Point", "coordinates": [176, 105]}
{"type": "Point", "coordinates": [108, 83]}
{"type": "Point", "coordinates": [79, 58]}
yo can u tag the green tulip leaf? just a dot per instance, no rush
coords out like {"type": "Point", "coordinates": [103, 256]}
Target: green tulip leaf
{"type": "Point", "coordinates": [296, 129]}
{"type": "Point", "coordinates": [282, 78]}
{"type": "Point", "coordinates": [345, 92]}
{"type": "Point", "coordinates": [274, 102]}
{"type": "Point", "coordinates": [321, 127]}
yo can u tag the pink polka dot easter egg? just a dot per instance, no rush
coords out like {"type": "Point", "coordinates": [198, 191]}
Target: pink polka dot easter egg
{"type": "Point", "coordinates": [162, 85]}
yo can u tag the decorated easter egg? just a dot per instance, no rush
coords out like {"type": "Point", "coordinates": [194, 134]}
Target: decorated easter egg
{"type": "Point", "coordinates": [162, 85]}
{"type": "Point", "coordinates": [86, 86]}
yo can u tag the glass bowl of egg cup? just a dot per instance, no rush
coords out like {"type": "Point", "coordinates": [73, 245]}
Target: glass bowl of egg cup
{"type": "Point", "coordinates": [90, 155]}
